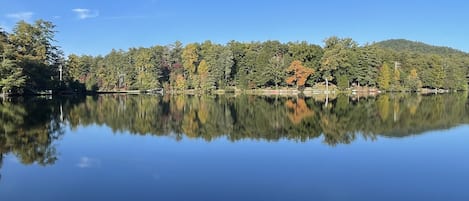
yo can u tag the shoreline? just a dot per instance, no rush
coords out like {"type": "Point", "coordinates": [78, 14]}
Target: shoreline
{"type": "Point", "coordinates": [286, 92]}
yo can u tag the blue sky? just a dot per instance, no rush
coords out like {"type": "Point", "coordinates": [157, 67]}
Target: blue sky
{"type": "Point", "coordinates": [96, 26]}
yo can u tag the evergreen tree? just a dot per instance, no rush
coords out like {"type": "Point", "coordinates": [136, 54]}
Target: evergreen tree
{"type": "Point", "coordinates": [35, 53]}
{"type": "Point", "coordinates": [366, 72]}
{"type": "Point", "coordinates": [340, 55]}
{"type": "Point", "coordinates": [276, 70]}
{"type": "Point", "coordinates": [11, 75]}
{"type": "Point", "coordinates": [226, 63]}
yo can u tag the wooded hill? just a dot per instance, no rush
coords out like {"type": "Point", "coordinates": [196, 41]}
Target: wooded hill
{"type": "Point", "coordinates": [402, 45]}
{"type": "Point", "coordinates": [30, 62]}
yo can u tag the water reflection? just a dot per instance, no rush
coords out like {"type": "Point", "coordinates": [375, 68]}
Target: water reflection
{"type": "Point", "coordinates": [30, 127]}
{"type": "Point", "coordinates": [266, 118]}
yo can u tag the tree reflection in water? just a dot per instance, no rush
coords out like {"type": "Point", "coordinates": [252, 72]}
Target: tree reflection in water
{"type": "Point", "coordinates": [30, 127]}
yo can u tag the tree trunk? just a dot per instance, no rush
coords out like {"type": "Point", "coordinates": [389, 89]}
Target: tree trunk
{"type": "Point", "coordinates": [327, 86]}
{"type": "Point", "coordinates": [327, 100]}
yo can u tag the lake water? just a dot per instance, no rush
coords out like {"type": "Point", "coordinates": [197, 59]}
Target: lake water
{"type": "Point", "coordinates": [124, 147]}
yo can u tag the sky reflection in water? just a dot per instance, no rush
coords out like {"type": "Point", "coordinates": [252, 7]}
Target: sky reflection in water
{"type": "Point", "coordinates": [265, 150]}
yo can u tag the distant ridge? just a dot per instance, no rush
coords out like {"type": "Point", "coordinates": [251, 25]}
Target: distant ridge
{"type": "Point", "coordinates": [403, 45]}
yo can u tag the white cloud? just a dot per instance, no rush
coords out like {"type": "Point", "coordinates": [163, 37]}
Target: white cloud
{"type": "Point", "coordinates": [20, 16]}
{"type": "Point", "coordinates": [83, 13]}
{"type": "Point", "coordinates": [86, 162]}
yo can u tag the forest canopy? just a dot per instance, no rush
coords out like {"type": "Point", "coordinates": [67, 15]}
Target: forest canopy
{"type": "Point", "coordinates": [30, 62]}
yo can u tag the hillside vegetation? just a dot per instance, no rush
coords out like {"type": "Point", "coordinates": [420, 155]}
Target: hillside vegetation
{"type": "Point", "coordinates": [402, 45]}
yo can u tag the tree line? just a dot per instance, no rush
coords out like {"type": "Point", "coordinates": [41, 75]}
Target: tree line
{"type": "Point", "coordinates": [30, 62]}
{"type": "Point", "coordinates": [29, 59]}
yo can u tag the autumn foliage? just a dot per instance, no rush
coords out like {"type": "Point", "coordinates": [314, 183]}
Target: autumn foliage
{"type": "Point", "coordinates": [299, 74]}
{"type": "Point", "coordinates": [298, 111]}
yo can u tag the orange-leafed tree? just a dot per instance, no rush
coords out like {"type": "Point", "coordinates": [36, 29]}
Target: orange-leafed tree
{"type": "Point", "coordinates": [297, 111]}
{"type": "Point", "coordinates": [299, 74]}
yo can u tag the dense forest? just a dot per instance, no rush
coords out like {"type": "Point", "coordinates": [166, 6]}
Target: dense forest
{"type": "Point", "coordinates": [30, 62]}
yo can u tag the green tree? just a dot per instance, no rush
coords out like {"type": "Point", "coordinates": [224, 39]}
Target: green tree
{"type": "Point", "coordinates": [265, 72]}
{"type": "Point", "coordinates": [244, 63]}
{"type": "Point", "coordinates": [276, 70]}
{"type": "Point", "coordinates": [342, 82]}
{"type": "Point", "coordinates": [340, 55]}
{"type": "Point", "coordinates": [366, 72]}
{"type": "Point", "coordinates": [175, 53]}
{"type": "Point", "coordinates": [116, 71]}
{"type": "Point", "coordinates": [438, 75]}
{"type": "Point", "coordinates": [225, 61]}
{"type": "Point", "coordinates": [148, 71]}
{"type": "Point", "coordinates": [455, 78]}
{"type": "Point", "coordinates": [36, 54]}
{"type": "Point", "coordinates": [4, 43]}
{"type": "Point", "coordinates": [74, 67]}
{"type": "Point", "coordinates": [309, 54]}
{"type": "Point", "coordinates": [211, 54]}
{"type": "Point", "coordinates": [11, 75]}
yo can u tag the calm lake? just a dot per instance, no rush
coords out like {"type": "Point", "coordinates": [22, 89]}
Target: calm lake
{"type": "Point", "coordinates": [139, 147]}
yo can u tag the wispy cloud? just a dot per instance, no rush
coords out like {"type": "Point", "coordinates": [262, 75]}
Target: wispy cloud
{"type": "Point", "coordinates": [84, 13]}
{"type": "Point", "coordinates": [20, 16]}
{"type": "Point", "coordinates": [86, 162]}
